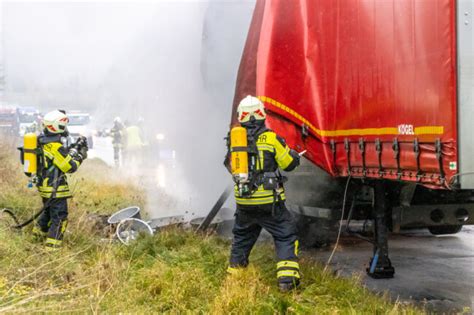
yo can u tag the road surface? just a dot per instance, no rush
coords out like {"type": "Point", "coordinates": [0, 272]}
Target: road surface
{"type": "Point", "coordinates": [435, 271]}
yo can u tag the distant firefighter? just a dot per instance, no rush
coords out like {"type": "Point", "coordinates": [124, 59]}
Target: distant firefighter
{"type": "Point", "coordinates": [256, 154]}
{"type": "Point", "coordinates": [117, 134]}
{"type": "Point", "coordinates": [134, 144]}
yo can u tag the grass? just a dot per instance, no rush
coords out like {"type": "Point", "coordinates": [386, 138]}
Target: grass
{"type": "Point", "coordinates": [175, 271]}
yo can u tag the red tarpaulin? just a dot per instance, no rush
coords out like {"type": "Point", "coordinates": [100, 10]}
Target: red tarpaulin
{"type": "Point", "coordinates": [371, 82]}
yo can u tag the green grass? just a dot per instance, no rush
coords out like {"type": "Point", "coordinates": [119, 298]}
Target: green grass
{"type": "Point", "coordinates": [175, 271]}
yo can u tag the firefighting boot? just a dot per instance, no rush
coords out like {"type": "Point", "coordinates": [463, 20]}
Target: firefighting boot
{"type": "Point", "coordinates": [288, 286]}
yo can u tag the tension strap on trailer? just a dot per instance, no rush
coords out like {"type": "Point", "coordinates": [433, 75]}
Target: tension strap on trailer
{"type": "Point", "coordinates": [416, 149]}
{"type": "Point", "coordinates": [304, 131]}
{"type": "Point", "coordinates": [439, 156]}
{"type": "Point", "coordinates": [333, 149]}
{"type": "Point", "coordinates": [396, 150]}
{"type": "Point", "coordinates": [362, 153]}
{"type": "Point", "coordinates": [378, 148]}
{"type": "Point", "coordinates": [396, 146]}
{"type": "Point", "coordinates": [347, 147]}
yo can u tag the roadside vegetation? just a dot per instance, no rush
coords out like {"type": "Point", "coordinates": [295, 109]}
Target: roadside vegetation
{"type": "Point", "coordinates": [173, 272]}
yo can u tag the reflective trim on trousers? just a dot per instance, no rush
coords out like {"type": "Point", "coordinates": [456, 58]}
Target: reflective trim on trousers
{"type": "Point", "coordinates": [232, 270]}
{"type": "Point", "coordinates": [51, 242]}
{"type": "Point", "coordinates": [288, 273]}
{"type": "Point", "coordinates": [288, 264]}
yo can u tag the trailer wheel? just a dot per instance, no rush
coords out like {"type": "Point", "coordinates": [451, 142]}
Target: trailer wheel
{"type": "Point", "coordinates": [444, 229]}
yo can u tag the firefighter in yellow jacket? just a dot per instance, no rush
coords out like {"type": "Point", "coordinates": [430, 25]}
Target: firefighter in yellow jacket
{"type": "Point", "coordinates": [262, 203]}
{"type": "Point", "coordinates": [134, 144]}
{"type": "Point", "coordinates": [56, 161]}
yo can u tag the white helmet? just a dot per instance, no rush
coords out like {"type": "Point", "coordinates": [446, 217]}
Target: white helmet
{"type": "Point", "coordinates": [117, 120]}
{"type": "Point", "coordinates": [249, 107]}
{"type": "Point", "coordinates": [55, 122]}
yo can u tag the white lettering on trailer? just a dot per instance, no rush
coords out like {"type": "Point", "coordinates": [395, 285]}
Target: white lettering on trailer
{"type": "Point", "coordinates": [406, 129]}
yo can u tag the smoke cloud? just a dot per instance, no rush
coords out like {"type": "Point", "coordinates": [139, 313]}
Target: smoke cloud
{"type": "Point", "coordinates": [172, 63]}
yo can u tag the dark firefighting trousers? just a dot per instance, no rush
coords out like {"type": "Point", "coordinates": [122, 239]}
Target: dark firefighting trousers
{"type": "Point", "coordinates": [53, 221]}
{"type": "Point", "coordinates": [117, 149]}
{"type": "Point", "coordinates": [249, 222]}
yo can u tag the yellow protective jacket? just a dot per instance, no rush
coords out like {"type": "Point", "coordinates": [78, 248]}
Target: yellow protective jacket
{"type": "Point", "coordinates": [133, 138]}
{"type": "Point", "coordinates": [273, 154]}
{"type": "Point", "coordinates": [56, 163]}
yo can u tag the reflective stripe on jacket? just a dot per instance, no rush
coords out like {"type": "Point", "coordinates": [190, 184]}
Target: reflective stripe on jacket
{"type": "Point", "coordinates": [273, 153]}
{"type": "Point", "coordinates": [57, 162]}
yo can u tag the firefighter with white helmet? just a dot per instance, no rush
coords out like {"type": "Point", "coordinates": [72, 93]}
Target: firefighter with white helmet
{"type": "Point", "coordinates": [55, 161]}
{"type": "Point", "coordinates": [259, 192]}
{"type": "Point", "coordinates": [250, 107]}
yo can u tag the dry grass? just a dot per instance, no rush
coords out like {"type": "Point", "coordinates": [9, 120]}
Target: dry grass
{"type": "Point", "coordinates": [173, 272]}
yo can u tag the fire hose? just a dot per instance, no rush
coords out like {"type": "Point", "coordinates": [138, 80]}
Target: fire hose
{"type": "Point", "coordinates": [19, 225]}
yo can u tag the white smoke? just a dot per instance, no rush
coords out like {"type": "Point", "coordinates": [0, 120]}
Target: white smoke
{"type": "Point", "coordinates": [174, 63]}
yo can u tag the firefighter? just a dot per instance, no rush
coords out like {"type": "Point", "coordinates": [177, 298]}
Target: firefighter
{"type": "Point", "coordinates": [57, 161]}
{"type": "Point", "coordinates": [117, 139]}
{"type": "Point", "coordinates": [134, 144]}
{"type": "Point", "coordinates": [264, 204]}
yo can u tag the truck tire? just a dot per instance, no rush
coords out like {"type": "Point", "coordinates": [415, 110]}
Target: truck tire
{"type": "Point", "coordinates": [445, 229]}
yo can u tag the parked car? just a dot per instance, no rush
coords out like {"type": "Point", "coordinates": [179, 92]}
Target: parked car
{"type": "Point", "coordinates": [27, 119]}
{"type": "Point", "coordinates": [79, 125]}
{"type": "Point", "coordinates": [8, 120]}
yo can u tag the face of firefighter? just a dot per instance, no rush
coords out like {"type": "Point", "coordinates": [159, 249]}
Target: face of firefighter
{"type": "Point", "coordinates": [253, 124]}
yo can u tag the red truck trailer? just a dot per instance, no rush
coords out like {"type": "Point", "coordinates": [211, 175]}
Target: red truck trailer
{"type": "Point", "coordinates": [380, 92]}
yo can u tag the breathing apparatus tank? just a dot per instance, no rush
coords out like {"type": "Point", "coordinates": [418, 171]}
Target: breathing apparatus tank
{"type": "Point", "coordinates": [30, 158]}
{"type": "Point", "coordinates": [239, 157]}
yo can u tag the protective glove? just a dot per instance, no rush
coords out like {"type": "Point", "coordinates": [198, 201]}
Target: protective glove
{"type": "Point", "coordinates": [83, 152]}
{"type": "Point", "coordinates": [81, 142]}
{"type": "Point", "coordinates": [295, 155]}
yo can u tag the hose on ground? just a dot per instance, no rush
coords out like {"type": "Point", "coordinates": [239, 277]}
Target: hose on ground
{"type": "Point", "coordinates": [340, 224]}
{"type": "Point", "coordinates": [19, 225]}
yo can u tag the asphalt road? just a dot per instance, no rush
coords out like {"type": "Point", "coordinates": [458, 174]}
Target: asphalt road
{"type": "Point", "coordinates": [432, 271]}
{"type": "Point", "coordinates": [102, 149]}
